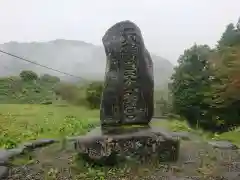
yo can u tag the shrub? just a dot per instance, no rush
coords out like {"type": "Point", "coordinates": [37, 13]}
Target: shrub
{"type": "Point", "coordinates": [163, 107]}
{"type": "Point", "coordinates": [27, 75]}
{"type": "Point", "coordinates": [67, 91]}
{"type": "Point", "coordinates": [93, 94]}
{"type": "Point", "coordinates": [49, 78]}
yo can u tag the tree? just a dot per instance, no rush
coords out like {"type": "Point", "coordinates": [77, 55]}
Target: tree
{"type": "Point", "coordinates": [205, 87]}
{"type": "Point", "coordinates": [230, 37]}
{"type": "Point", "coordinates": [224, 97]}
{"type": "Point", "coordinates": [68, 92]}
{"type": "Point", "coordinates": [225, 87]}
{"type": "Point", "coordinates": [238, 24]}
{"type": "Point", "coordinates": [49, 78]}
{"type": "Point", "coordinates": [162, 107]}
{"type": "Point", "coordinates": [162, 99]}
{"type": "Point", "coordinates": [190, 82]}
{"type": "Point", "coordinates": [94, 94]}
{"type": "Point", "coordinates": [27, 75]}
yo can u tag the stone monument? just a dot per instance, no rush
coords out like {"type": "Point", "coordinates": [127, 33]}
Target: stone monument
{"type": "Point", "coordinates": [128, 88]}
{"type": "Point", "coordinates": [127, 103]}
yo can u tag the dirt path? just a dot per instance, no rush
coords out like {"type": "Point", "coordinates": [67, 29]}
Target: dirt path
{"type": "Point", "coordinates": [198, 160]}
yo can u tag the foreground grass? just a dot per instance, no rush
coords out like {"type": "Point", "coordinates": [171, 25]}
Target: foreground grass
{"type": "Point", "coordinates": [19, 123]}
{"type": "Point", "coordinates": [182, 126]}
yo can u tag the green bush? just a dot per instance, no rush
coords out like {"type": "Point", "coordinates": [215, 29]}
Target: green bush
{"type": "Point", "coordinates": [67, 91]}
{"type": "Point", "coordinates": [49, 78]}
{"type": "Point", "coordinates": [162, 107]}
{"type": "Point", "coordinates": [27, 75]}
{"type": "Point", "coordinates": [47, 89]}
{"type": "Point", "coordinates": [93, 94]}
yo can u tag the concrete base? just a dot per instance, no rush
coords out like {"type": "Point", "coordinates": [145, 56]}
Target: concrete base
{"type": "Point", "coordinates": [141, 143]}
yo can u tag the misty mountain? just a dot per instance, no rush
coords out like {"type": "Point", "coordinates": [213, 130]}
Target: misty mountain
{"type": "Point", "coordinates": [74, 57]}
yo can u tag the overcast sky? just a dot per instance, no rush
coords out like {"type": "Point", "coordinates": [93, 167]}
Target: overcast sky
{"type": "Point", "coordinates": [168, 26]}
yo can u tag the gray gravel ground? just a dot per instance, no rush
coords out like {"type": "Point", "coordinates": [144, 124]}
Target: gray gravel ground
{"type": "Point", "coordinates": [197, 160]}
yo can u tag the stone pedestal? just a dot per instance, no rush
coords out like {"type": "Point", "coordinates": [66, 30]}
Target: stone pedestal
{"type": "Point", "coordinates": [106, 146]}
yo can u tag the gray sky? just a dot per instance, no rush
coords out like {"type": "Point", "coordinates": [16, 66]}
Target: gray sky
{"type": "Point", "coordinates": [168, 26]}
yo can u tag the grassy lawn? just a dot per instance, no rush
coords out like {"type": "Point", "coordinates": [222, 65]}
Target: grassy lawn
{"type": "Point", "coordinates": [24, 122]}
{"type": "Point", "coordinates": [19, 123]}
{"type": "Point", "coordinates": [178, 126]}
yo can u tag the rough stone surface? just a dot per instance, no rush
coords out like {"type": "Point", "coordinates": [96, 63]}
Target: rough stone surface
{"type": "Point", "coordinates": [231, 175]}
{"type": "Point", "coordinates": [128, 88]}
{"type": "Point", "coordinates": [5, 163]}
{"type": "Point", "coordinates": [16, 151]}
{"type": "Point", "coordinates": [185, 135]}
{"type": "Point", "coordinates": [207, 163]}
{"type": "Point", "coordinates": [141, 144]}
{"type": "Point", "coordinates": [223, 144]}
{"type": "Point", "coordinates": [2, 163]}
{"type": "Point", "coordinates": [4, 155]}
{"type": "Point", "coordinates": [7, 155]}
{"type": "Point", "coordinates": [3, 172]}
{"type": "Point", "coordinates": [182, 135]}
{"type": "Point", "coordinates": [38, 143]}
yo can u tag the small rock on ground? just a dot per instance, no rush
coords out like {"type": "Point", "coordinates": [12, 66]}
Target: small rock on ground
{"type": "Point", "coordinates": [223, 144]}
{"type": "Point", "coordinates": [195, 159]}
{"type": "Point", "coordinates": [39, 143]}
{"type": "Point", "coordinates": [4, 155]}
{"type": "Point", "coordinates": [3, 172]}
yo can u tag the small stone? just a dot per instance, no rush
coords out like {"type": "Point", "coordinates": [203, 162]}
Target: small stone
{"type": "Point", "coordinates": [223, 144]}
{"type": "Point", "coordinates": [72, 138]}
{"type": "Point", "coordinates": [231, 175]}
{"type": "Point", "coordinates": [182, 135]}
{"type": "Point", "coordinates": [39, 143]}
{"type": "Point", "coordinates": [2, 163]}
{"type": "Point", "coordinates": [179, 178]}
{"type": "Point", "coordinates": [16, 151]}
{"type": "Point", "coordinates": [5, 163]}
{"type": "Point", "coordinates": [3, 172]}
{"type": "Point", "coordinates": [4, 155]}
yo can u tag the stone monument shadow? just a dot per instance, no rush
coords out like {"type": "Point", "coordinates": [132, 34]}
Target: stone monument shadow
{"type": "Point", "coordinates": [127, 104]}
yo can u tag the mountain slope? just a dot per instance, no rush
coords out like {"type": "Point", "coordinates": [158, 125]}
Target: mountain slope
{"type": "Point", "coordinates": [74, 57]}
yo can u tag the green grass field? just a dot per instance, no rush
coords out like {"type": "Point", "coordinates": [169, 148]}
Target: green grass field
{"type": "Point", "coordinates": [182, 126]}
{"type": "Point", "coordinates": [16, 91]}
{"type": "Point", "coordinates": [19, 123]}
{"type": "Point", "coordinates": [23, 122]}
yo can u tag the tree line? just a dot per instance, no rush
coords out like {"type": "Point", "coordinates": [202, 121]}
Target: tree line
{"type": "Point", "coordinates": [205, 86]}
{"type": "Point", "coordinates": [87, 94]}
